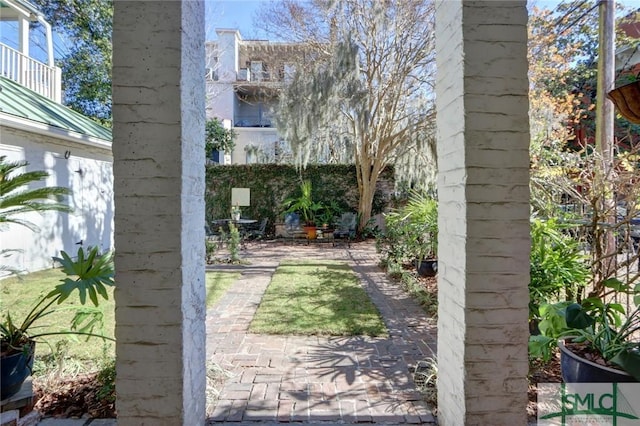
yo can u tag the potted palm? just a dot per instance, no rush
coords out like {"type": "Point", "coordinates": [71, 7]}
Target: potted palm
{"type": "Point", "coordinates": [304, 205]}
{"type": "Point", "coordinates": [421, 212]}
{"type": "Point", "coordinates": [89, 274]}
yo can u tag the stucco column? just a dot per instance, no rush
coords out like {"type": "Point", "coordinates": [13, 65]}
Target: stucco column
{"type": "Point", "coordinates": [483, 190]}
{"type": "Point", "coordinates": [158, 151]}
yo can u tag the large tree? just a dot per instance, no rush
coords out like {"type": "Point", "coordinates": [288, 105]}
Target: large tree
{"type": "Point", "coordinates": [86, 66]}
{"type": "Point", "coordinates": [364, 93]}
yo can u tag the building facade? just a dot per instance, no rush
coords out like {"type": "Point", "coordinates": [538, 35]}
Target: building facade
{"type": "Point", "coordinates": [244, 79]}
{"type": "Point", "coordinates": [74, 150]}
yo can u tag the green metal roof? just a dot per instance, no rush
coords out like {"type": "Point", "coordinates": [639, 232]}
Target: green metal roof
{"type": "Point", "coordinates": [19, 101]}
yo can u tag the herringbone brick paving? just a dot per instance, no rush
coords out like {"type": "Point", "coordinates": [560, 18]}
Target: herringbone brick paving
{"type": "Point", "coordinates": [317, 379]}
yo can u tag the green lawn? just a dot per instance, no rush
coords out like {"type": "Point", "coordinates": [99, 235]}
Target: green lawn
{"type": "Point", "coordinates": [17, 296]}
{"type": "Point", "coordinates": [316, 297]}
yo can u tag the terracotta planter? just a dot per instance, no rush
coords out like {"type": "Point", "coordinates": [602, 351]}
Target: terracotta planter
{"type": "Point", "coordinates": [576, 369]}
{"type": "Point", "coordinates": [627, 99]}
{"type": "Point", "coordinates": [311, 232]}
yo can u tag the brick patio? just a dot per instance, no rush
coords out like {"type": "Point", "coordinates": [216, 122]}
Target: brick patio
{"type": "Point", "coordinates": [281, 379]}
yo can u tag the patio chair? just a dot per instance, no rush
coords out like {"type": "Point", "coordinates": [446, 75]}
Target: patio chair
{"type": "Point", "coordinates": [345, 228]}
{"type": "Point", "coordinates": [257, 234]}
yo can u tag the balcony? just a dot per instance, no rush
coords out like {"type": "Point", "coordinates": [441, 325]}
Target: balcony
{"type": "Point", "coordinates": [252, 121]}
{"type": "Point", "coordinates": [31, 73]}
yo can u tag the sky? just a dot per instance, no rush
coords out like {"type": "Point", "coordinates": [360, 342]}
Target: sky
{"type": "Point", "coordinates": [236, 14]}
{"type": "Point", "coordinates": [239, 14]}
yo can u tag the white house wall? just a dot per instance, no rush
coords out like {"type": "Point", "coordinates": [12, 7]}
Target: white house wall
{"type": "Point", "coordinates": [220, 100]}
{"type": "Point", "coordinates": [264, 137]}
{"type": "Point", "coordinates": [87, 172]}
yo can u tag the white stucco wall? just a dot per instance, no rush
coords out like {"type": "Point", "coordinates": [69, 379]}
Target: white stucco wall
{"type": "Point", "coordinates": [258, 136]}
{"type": "Point", "coordinates": [87, 172]}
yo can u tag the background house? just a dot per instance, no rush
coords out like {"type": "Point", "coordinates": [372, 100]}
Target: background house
{"type": "Point", "coordinates": [628, 56]}
{"type": "Point", "coordinates": [74, 150]}
{"type": "Point", "coordinates": [244, 79]}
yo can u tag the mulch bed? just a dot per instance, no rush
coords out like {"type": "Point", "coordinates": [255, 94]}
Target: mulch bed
{"type": "Point", "coordinates": [73, 397]}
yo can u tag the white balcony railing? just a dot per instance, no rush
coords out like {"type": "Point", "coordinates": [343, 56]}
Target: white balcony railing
{"type": "Point", "coordinates": [246, 74]}
{"type": "Point", "coordinates": [30, 73]}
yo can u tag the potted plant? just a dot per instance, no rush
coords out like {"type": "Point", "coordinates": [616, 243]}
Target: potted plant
{"type": "Point", "coordinates": [329, 214]}
{"type": "Point", "coordinates": [597, 341]}
{"type": "Point", "coordinates": [90, 274]}
{"type": "Point", "coordinates": [235, 213]}
{"type": "Point", "coordinates": [411, 234]}
{"type": "Point", "coordinates": [601, 331]}
{"type": "Point", "coordinates": [421, 212]}
{"type": "Point", "coordinates": [304, 205]}
{"type": "Point", "coordinates": [626, 97]}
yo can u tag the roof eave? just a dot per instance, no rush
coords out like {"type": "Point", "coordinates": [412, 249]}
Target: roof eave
{"type": "Point", "coordinates": [25, 124]}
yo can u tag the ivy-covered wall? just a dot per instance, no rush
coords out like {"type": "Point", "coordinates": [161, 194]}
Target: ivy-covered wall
{"type": "Point", "coordinates": [271, 184]}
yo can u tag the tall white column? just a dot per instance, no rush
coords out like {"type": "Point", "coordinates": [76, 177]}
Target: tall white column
{"type": "Point", "coordinates": [158, 150]}
{"type": "Point", "coordinates": [483, 190]}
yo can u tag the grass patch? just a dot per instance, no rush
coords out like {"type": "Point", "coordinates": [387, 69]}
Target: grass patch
{"type": "Point", "coordinates": [316, 297]}
{"type": "Point", "coordinates": [19, 296]}
{"type": "Point", "coordinates": [69, 352]}
{"type": "Point", "coordinates": [217, 285]}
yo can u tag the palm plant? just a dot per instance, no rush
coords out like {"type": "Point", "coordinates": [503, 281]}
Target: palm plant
{"type": "Point", "coordinates": [16, 199]}
{"type": "Point", "coordinates": [304, 204]}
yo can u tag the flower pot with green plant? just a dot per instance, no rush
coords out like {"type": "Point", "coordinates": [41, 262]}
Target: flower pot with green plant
{"type": "Point", "coordinates": [90, 274]}
{"type": "Point", "coordinates": [421, 212]}
{"type": "Point", "coordinates": [595, 336]}
{"type": "Point", "coordinates": [602, 330]}
{"type": "Point", "coordinates": [235, 212]}
{"type": "Point", "coordinates": [329, 214]}
{"type": "Point", "coordinates": [304, 205]}
{"type": "Point", "coordinates": [411, 234]}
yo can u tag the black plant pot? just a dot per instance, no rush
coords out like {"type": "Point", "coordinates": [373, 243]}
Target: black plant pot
{"type": "Point", "coordinates": [576, 369]}
{"type": "Point", "coordinates": [427, 268]}
{"type": "Point", "coordinates": [14, 370]}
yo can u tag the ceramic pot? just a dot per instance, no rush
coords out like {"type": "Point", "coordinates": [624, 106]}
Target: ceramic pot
{"type": "Point", "coordinates": [576, 369]}
{"type": "Point", "coordinates": [427, 268]}
{"type": "Point", "coordinates": [14, 370]}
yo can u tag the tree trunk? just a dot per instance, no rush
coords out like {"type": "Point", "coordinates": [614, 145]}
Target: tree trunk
{"type": "Point", "coordinates": [368, 173]}
{"type": "Point", "coordinates": [366, 202]}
